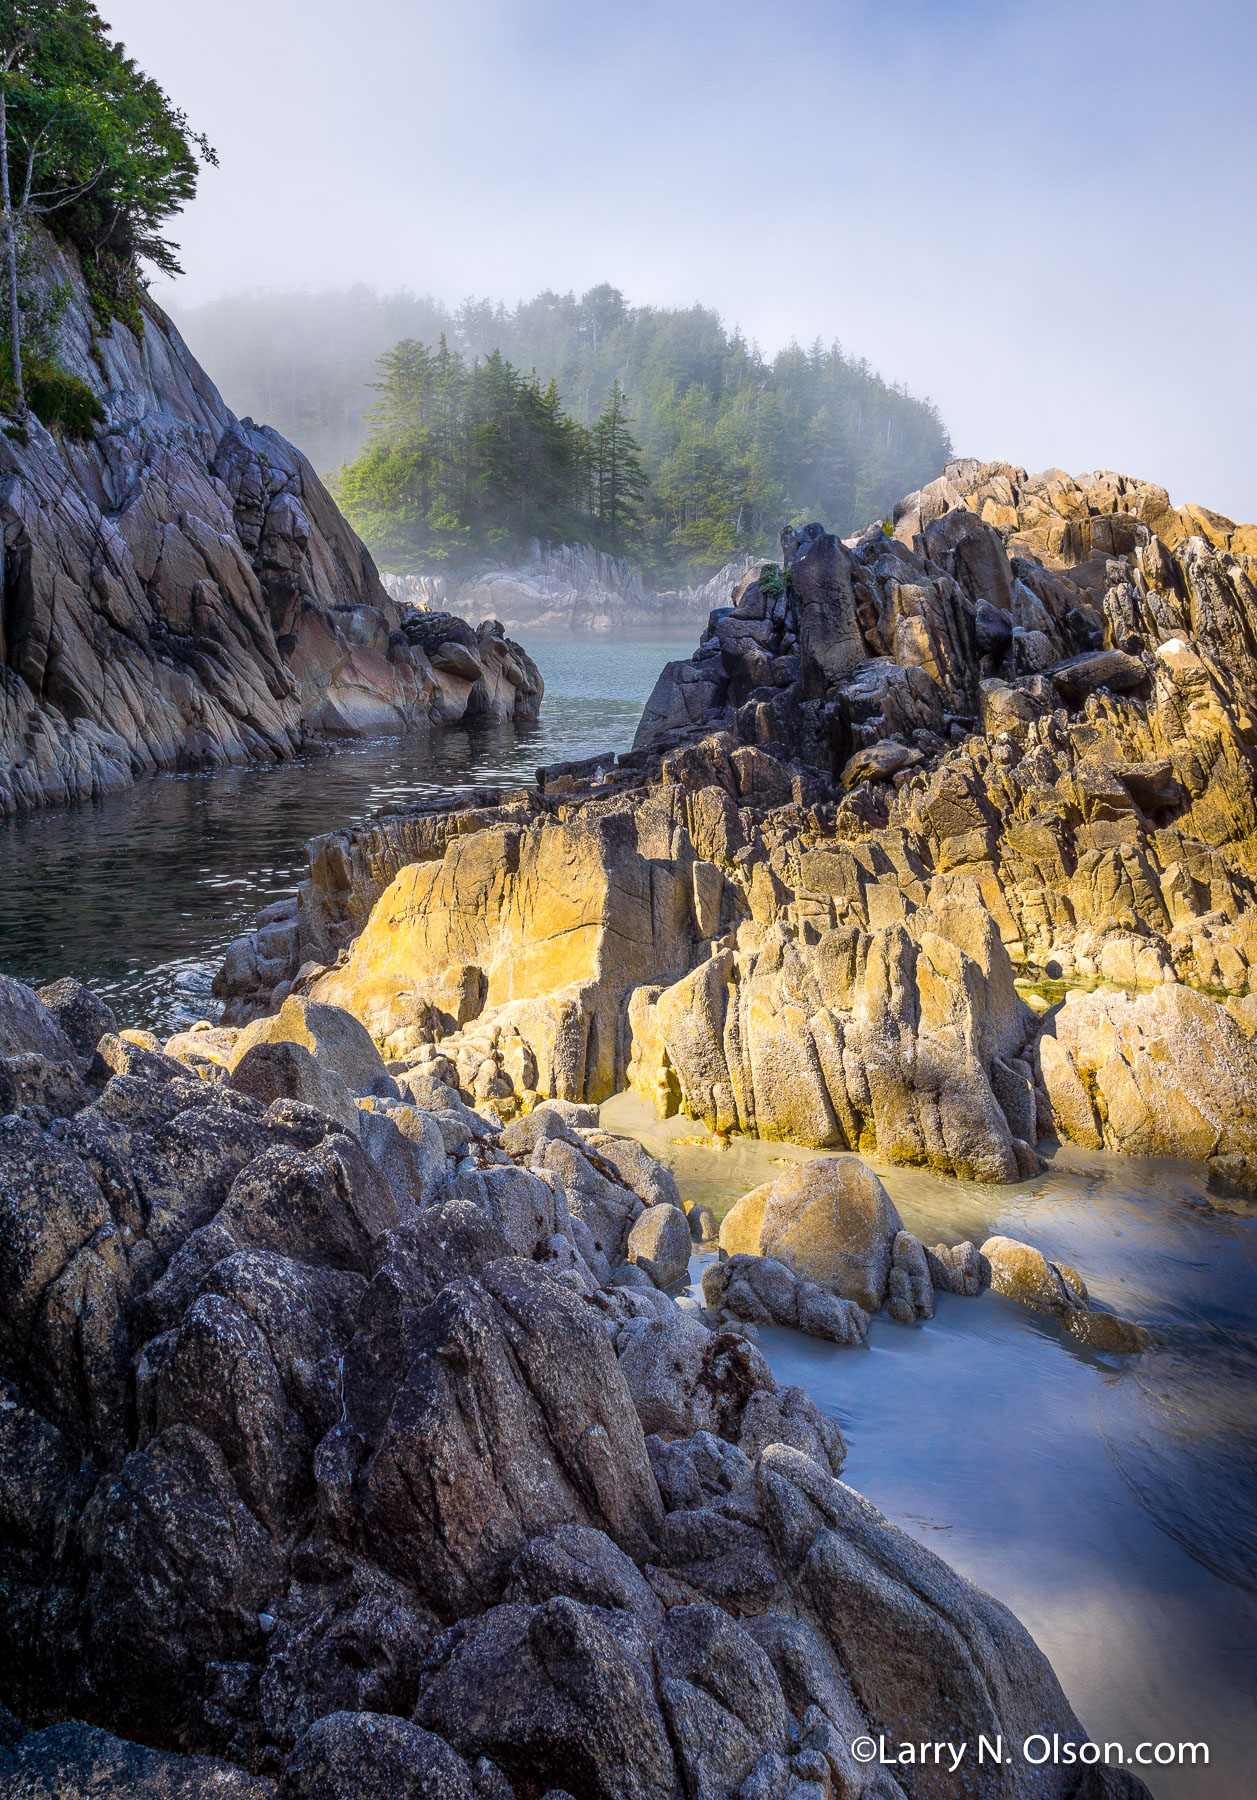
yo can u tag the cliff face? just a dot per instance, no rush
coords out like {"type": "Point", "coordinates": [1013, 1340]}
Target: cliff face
{"type": "Point", "coordinates": [878, 837]}
{"type": "Point", "coordinates": [181, 591]}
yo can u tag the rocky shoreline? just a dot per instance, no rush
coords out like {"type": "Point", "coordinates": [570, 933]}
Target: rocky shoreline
{"type": "Point", "coordinates": [359, 1436]}
{"type": "Point", "coordinates": [940, 844]}
{"type": "Point", "coordinates": [181, 592]}
{"type": "Point", "coordinates": [352, 1444]}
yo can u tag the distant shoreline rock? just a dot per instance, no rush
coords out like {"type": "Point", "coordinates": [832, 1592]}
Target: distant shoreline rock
{"type": "Point", "coordinates": [572, 590]}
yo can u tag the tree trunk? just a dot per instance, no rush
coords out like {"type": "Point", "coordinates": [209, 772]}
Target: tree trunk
{"type": "Point", "coordinates": [10, 248]}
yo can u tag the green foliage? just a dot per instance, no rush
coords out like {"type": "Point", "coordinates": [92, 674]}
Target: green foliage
{"type": "Point", "coordinates": [96, 145]}
{"type": "Point", "coordinates": [467, 461]}
{"type": "Point", "coordinates": [61, 401]}
{"type": "Point", "coordinates": [773, 581]}
{"type": "Point", "coordinates": [734, 444]}
{"type": "Point", "coordinates": [618, 482]}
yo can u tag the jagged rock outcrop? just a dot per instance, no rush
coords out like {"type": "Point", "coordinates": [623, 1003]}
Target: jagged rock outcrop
{"type": "Point", "coordinates": [329, 1470]}
{"type": "Point", "coordinates": [903, 783]}
{"type": "Point", "coordinates": [180, 590]}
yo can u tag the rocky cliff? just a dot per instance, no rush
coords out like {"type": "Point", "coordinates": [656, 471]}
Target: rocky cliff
{"type": "Point", "coordinates": [941, 843]}
{"type": "Point", "coordinates": [180, 591]}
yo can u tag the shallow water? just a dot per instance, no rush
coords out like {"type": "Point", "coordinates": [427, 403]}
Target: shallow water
{"type": "Point", "coordinates": [140, 894]}
{"type": "Point", "coordinates": [1110, 1501]}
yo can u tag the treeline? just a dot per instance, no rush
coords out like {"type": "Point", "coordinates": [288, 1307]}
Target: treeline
{"type": "Point", "coordinates": [468, 461]}
{"type": "Point", "coordinates": [732, 443]}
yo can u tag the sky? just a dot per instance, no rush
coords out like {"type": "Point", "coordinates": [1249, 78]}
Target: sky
{"type": "Point", "coordinates": [1040, 215]}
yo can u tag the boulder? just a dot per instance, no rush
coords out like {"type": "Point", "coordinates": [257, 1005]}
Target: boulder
{"type": "Point", "coordinates": [660, 1243]}
{"type": "Point", "coordinates": [82, 1762]}
{"type": "Point", "coordinates": [339, 1044]}
{"type": "Point", "coordinates": [879, 762]}
{"type": "Point", "coordinates": [373, 1756]}
{"type": "Point", "coordinates": [911, 1291]}
{"type": "Point", "coordinates": [830, 1221]}
{"type": "Point", "coordinates": [283, 1070]}
{"type": "Point", "coordinates": [1166, 1073]}
{"type": "Point", "coordinates": [82, 1016]}
{"type": "Point", "coordinates": [703, 1223]}
{"type": "Point", "coordinates": [759, 1288]}
{"type": "Point", "coordinates": [29, 1027]}
{"type": "Point", "coordinates": [1082, 675]}
{"type": "Point", "coordinates": [1020, 1272]}
{"type": "Point", "coordinates": [957, 1269]}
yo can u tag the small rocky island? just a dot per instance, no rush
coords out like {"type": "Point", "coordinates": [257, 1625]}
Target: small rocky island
{"type": "Point", "coordinates": [359, 1437]}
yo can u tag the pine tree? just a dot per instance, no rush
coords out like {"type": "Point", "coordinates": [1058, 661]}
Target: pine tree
{"type": "Point", "coordinates": [619, 480]}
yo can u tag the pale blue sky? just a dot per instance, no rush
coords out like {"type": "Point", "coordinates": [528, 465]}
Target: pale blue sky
{"type": "Point", "coordinates": [1041, 215]}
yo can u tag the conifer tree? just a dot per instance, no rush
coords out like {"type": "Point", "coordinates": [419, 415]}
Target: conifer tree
{"type": "Point", "coordinates": [619, 480]}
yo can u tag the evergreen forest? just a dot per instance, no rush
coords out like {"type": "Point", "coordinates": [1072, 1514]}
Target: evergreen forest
{"type": "Point", "coordinates": [454, 435]}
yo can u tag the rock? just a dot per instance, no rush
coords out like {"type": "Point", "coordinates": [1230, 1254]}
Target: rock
{"type": "Point", "coordinates": [583, 1117]}
{"type": "Point", "coordinates": [1021, 1272]}
{"type": "Point", "coordinates": [552, 1693]}
{"type": "Point", "coordinates": [756, 1288]}
{"type": "Point", "coordinates": [322, 1457]}
{"type": "Point", "coordinates": [80, 1762]}
{"type": "Point", "coordinates": [1166, 1073]}
{"type": "Point", "coordinates": [653, 1184]}
{"type": "Point", "coordinates": [38, 1088]}
{"type": "Point", "coordinates": [957, 1269]}
{"type": "Point", "coordinates": [28, 1026]}
{"type": "Point", "coordinates": [81, 1015]}
{"type": "Point", "coordinates": [192, 597]}
{"type": "Point", "coordinates": [287, 1071]}
{"type": "Point", "coordinates": [329, 1034]}
{"type": "Point", "coordinates": [830, 1221]}
{"type": "Point", "coordinates": [586, 1566]}
{"type": "Point", "coordinates": [741, 1226]}
{"type": "Point", "coordinates": [119, 1055]}
{"type": "Point", "coordinates": [879, 762]}
{"type": "Point", "coordinates": [1082, 675]}
{"type": "Point", "coordinates": [659, 1242]}
{"type": "Point", "coordinates": [869, 1585]}
{"type": "Point", "coordinates": [372, 1756]}
{"type": "Point", "coordinates": [703, 1223]}
{"type": "Point", "coordinates": [911, 1291]}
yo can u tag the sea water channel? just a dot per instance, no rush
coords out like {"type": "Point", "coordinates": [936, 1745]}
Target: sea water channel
{"type": "Point", "coordinates": [1110, 1501]}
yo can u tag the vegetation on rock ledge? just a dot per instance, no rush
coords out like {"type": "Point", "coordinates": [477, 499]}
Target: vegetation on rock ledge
{"type": "Point", "coordinates": [92, 146]}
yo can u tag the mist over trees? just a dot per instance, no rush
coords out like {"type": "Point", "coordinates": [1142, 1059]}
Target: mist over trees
{"type": "Point", "coordinates": [732, 443]}
{"type": "Point", "coordinates": [469, 460]}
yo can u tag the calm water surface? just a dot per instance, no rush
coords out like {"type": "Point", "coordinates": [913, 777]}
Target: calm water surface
{"type": "Point", "coordinates": [139, 895]}
{"type": "Point", "coordinates": [1111, 1502]}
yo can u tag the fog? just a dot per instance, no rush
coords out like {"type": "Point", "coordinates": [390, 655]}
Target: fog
{"type": "Point", "coordinates": [1041, 216]}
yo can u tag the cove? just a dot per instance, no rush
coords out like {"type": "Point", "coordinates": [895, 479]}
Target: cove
{"type": "Point", "coordinates": [1109, 1502]}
